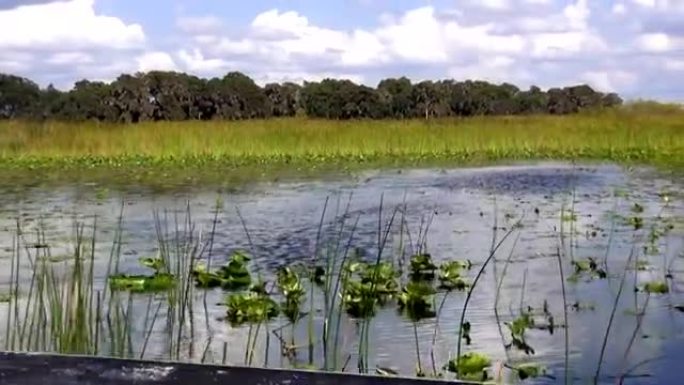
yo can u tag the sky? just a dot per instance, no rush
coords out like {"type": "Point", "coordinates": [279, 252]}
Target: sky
{"type": "Point", "coordinates": [632, 47]}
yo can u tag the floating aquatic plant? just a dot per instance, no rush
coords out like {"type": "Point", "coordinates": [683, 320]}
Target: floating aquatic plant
{"type": "Point", "coordinates": [159, 281]}
{"type": "Point", "coordinates": [250, 307]}
{"type": "Point", "coordinates": [367, 285]}
{"type": "Point", "coordinates": [234, 275]}
{"type": "Point", "coordinates": [383, 275]}
{"type": "Point", "coordinates": [517, 330]}
{"type": "Point", "coordinates": [471, 366]}
{"type": "Point", "coordinates": [450, 275]}
{"type": "Point", "coordinates": [156, 264]}
{"type": "Point", "coordinates": [569, 216]}
{"type": "Point", "coordinates": [360, 299]}
{"type": "Point", "coordinates": [655, 287]}
{"type": "Point", "coordinates": [588, 266]}
{"type": "Point", "coordinates": [416, 299]}
{"type": "Point", "coordinates": [529, 370]}
{"type": "Point", "coordinates": [142, 283]}
{"type": "Point", "coordinates": [290, 286]}
{"type": "Point", "coordinates": [422, 267]}
{"type": "Point", "coordinates": [636, 222]}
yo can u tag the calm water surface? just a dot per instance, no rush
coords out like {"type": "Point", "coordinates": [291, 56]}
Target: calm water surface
{"type": "Point", "coordinates": [460, 206]}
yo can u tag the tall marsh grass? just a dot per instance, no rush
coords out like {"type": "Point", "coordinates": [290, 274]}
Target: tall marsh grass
{"type": "Point", "coordinates": [640, 132]}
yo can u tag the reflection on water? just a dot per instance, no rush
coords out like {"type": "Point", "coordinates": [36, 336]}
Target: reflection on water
{"type": "Point", "coordinates": [460, 206]}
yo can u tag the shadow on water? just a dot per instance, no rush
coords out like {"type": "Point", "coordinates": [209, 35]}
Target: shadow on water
{"type": "Point", "coordinates": [457, 208]}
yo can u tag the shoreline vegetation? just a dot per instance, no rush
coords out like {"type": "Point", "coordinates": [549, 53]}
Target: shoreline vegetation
{"type": "Point", "coordinates": [151, 125]}
{"type": "Point", "coordinates": [630, 134]}
{"type": "Point", "coordinates": [174, 96]}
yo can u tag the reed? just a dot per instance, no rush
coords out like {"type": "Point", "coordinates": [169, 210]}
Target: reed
{"type": "Point", "coordinates": [645, 134]}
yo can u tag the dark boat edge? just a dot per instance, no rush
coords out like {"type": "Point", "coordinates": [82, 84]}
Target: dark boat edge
{"type": "Point", "coordinates": [56, 369]}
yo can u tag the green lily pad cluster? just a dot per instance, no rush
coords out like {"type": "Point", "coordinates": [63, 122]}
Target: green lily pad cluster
{"type": "Point", "coordinates": [161, 280]}
{"type": "Point", "coordinates": [451, 275]}
{"type": "Point", "coordinates": [588, 267]}
{"type": "Point", "coordinates": [471, 366]}
{"type": "Point", "coordinates": [365, 286]}
{"type": "Point", "coordinates": [234, 275]}
{"type": "Point", "coordinates": [517, 329]}
{"type": "Point", "coordinates": [250, 307]}
{"type": "Point", "coordinates": [656, 287]}
{"type": "Point", "coordinates": [422, 267]}
{"type": "Point", "coordinates": [529, 370]}
{"type": "Point", "coordinates": [290, 286]}
{"type": "Point", "coordinates": [416, 299]}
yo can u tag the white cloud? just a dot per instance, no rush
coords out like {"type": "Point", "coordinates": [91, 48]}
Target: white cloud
{"type": "Point", "coordinates": [609, 81]}
{"type": "Point", "coordinates": [619, 9]}
{"type": "Point", "coordinates": [59, 24]}
{"type": "Point", "coordinates": [70, 58]}
{"type": "Point", "coordinates": [493, 4]}
{"type": "Point", "coordinates": [159, 61]}
{"type": "Point", "coordinates": [622, 45]}
{"type": "Point", "coordinates": [195, 62]}
{"type": "Point", "coordinates": [577, 14]}
{"type": "Point", "coordinates": [565, 44]}
{"type": "Point", "coordinates": [60, 42]}
{"type": "Point", "coordinates": [420, 37]}
{"type": "Point", "coordinates": [654, 42]}
{"type": "Point", "coordinates": [645, 3]}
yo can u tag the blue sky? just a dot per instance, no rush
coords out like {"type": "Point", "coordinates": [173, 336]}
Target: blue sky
{"type": "Point", "coordinates": [633, 47]}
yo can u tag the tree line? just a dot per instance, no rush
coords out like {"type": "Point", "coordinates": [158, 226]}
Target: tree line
{"type": "Point", "coordinates": [163, 95]}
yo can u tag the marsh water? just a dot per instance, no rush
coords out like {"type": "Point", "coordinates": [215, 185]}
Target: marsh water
{"type": "Point", "coordinates": [458, 211]}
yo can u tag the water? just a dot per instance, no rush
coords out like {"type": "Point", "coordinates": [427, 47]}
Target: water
{"type": "Point", "coordinates": [460, 206]}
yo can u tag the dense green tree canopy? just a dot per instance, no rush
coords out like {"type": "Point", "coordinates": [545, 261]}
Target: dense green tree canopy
{"type": "Point", "coordinates": [160, 95]}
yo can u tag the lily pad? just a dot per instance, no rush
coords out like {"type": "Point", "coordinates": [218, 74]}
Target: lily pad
{"type": "Point", "coordinates": [470, 366]}
{"type": "Point", "coordinates": [156, 264]}
{"type": "Point", "coordinates": [233, 276]}
{"type": "Point", "coordinates": [450, 275]}
{"type": "Point", "coordinates": [530, 370]}
{"type": "Point", "coordinates": [588, 267]}
{"type": "Point", "coordinates": [360, 299]}
{"type": "Point", "coordinates": [656, 287]}
{"type": "Point", "coordinates": [250, 307]}
{"type": "Point", "coordinates": [422, 267]}
{"type": "Point", "coordinates": [416, 299]}
{"type": "Point", "coordinates": [142, 283]}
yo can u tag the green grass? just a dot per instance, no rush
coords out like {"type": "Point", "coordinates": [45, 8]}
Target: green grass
{"type": "Point", "coordinates": [643, 134]}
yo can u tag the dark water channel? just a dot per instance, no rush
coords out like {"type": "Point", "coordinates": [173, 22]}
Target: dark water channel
{"type": "Point", "coordinates": [460, 206]}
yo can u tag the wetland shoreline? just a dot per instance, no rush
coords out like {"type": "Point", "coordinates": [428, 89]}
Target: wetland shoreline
{"type": "Point", "coordinates": [628, 136]}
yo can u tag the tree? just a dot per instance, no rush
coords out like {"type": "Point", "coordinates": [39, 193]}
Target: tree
{"type": "Point", "coordinates": [396, 94]}
{"type": "Point", "coordinates": [283, 98]}
{"type": "Point", "coordinates": [175, 96]}
{"type": "Point", "coordinates": [19, 97]}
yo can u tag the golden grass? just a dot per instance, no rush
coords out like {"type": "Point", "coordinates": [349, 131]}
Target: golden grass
{"type": "Point", "coordinates": [649, 135]}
